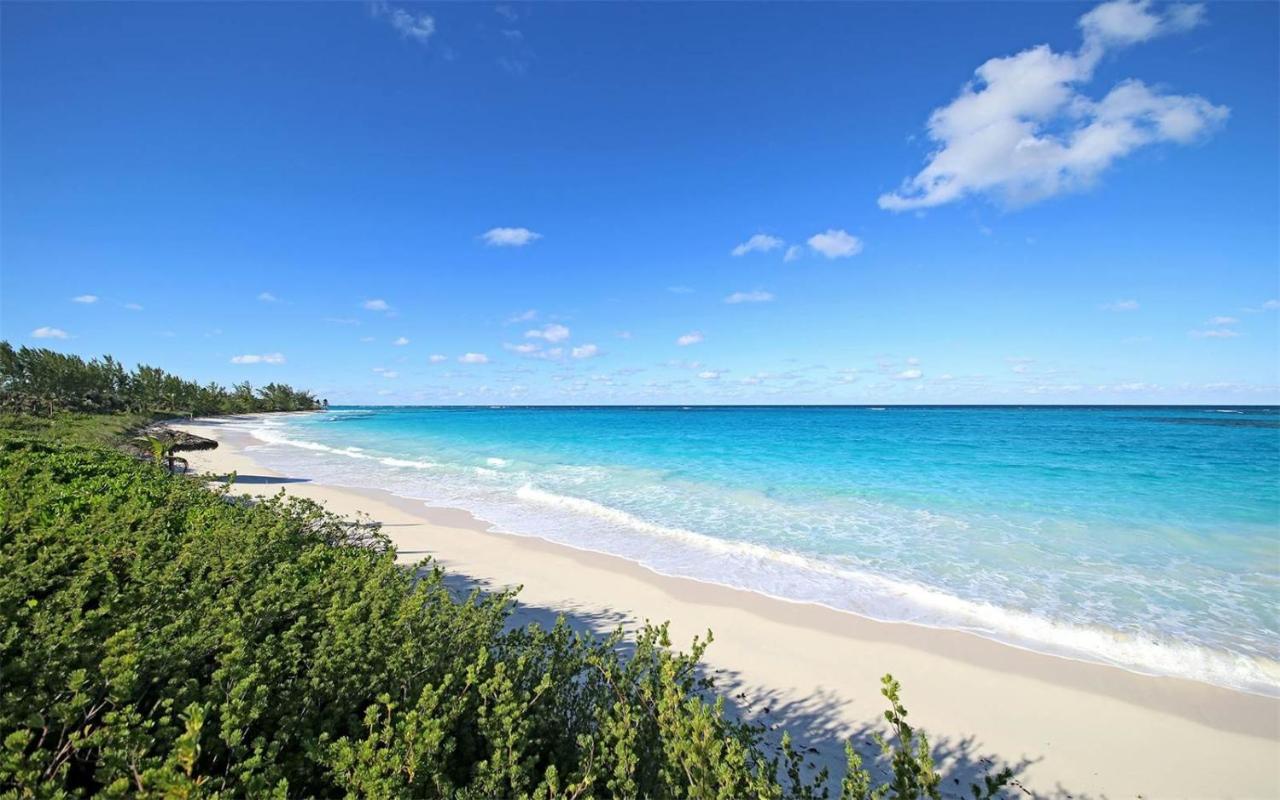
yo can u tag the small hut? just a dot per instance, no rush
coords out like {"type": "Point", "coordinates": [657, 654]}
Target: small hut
{"type": "Point", "coordinates": [161, 442]}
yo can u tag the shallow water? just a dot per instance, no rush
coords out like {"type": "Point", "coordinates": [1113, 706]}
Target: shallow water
{"type": "Point", "coordinates": [1144, 537]}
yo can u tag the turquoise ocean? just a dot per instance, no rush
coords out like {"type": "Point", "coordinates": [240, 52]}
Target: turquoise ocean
{"type": "Point", "coordinates": [1142, 537]}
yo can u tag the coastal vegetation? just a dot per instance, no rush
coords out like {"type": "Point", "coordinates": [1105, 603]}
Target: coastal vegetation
{"type": "Point", "coordinates": [43, 381]}
{"type": "Point", "coordinates": [161, 638]}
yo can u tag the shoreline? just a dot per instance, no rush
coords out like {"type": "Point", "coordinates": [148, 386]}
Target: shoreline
{"type": "Point", "coordinates": [1069, 726]}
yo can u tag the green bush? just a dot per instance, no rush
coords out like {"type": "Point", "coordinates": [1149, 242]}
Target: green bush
{"type": "Point", "coordinates": [161, 639]}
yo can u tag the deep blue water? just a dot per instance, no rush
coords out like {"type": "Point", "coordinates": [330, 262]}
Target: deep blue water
{"type": "Point", "coordinates": [1139, 536]}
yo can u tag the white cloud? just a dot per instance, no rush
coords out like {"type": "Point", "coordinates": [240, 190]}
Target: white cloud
{"type": "Point", "coordinates": [908, 375]}
{"type": "Point", "coordinates": [473, 358]}
{"type": "Point", "coordinates": [437, 358]}
{"type": "Point", "coordinates": [1021, 132]}
{"type": "Point", "coordinates": [1271, 305]}
{"type": "Point", "coordinates": [709, 375]}
{"type": "Point", "coordinates": [45, 332]}
{"type": "Point", "coordinates": [1215, 333]}
{"type": "Point", "coordinates": [419, 27]}
{"type": "Point", "coordinates": [267, 297]}
{"type": "Point", "coordinates": [679, 290]}
{"type": "Point", "coordinates": [265, 358]}
{"type": "Point", "coordinates": [1224, 321]}
{"type": "Point", "coordinates": [524, 349]}
{"type": "Point", "coordinates": [509, 237]}
{"type": "Point", "coordinates": [523, 316]}
{"type": "Point", "coordinates": [836, 244]}
{"type": "Point", "coordinates": [761, 243]}
{"type": "Point", "coordinates": [552, 332]}
{"type": "Point", "coordinates": [624, 334]}
{"type": "Point", "coordinates": [757, 296]}
{"type": "Point", "coordinates": [85, 298]}
{"type": "Point", "coordinates": [367, 339]}
{"type": "Point", "coordinates": [693, 337]}
{"type": "Point", "coordinates": [375, 305]}
{"type": "Point", "coordinates": [401, 342]}
{"type": "Point", "coordinates": [133, 307]}
{"type": "Point", "coordinates": [1121, 305]}
{"type": "Point", "coordinates": [793, 253]}
{"type": "Point", "coordinates": [585, 351]}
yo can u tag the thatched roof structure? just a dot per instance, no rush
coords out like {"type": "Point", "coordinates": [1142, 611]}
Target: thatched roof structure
{"type": "Point", "coordinates": [177, 441]}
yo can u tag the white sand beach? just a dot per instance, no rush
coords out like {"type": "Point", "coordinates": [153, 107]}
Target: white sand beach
{"type": "Point", "coordinates": [1068, 728]}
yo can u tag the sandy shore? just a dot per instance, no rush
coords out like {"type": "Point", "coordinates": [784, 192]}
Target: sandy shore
{"type": "Point", "coordinates": [1067, 728]}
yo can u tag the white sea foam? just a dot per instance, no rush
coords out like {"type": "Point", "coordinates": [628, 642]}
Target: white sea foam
{"type": "Point", "coordinates": [526, 508]}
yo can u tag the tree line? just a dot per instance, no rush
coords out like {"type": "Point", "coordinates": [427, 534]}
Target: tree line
{"type": "Point", "coordinates": [39, 380]}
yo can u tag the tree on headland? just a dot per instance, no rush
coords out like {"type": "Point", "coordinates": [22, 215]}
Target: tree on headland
{"type": "Point", "coordinates": [38, 380]}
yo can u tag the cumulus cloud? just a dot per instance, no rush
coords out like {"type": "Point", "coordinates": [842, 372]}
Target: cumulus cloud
{"type": "Point", "coordinates": [1121, 305]}
{"type": "Point", "coordinates": [85, 298]}
{"type": "Point", "coordinates": [419, 27]}
{"type": "Point", "coordinates": [46, 332]}
{"type": "Point", "coordinates": [473, 358]}
{"type": "Point", "coordinates": [509, 237]}
{"type": "Point", "coordinates": [692, 337]}
{"type": "Point", "coordinates": [553, 332]}
{"type": "Point", "coordinates": [709, 375]}
{"type": "Point", "coordinates": [908, 375]}
{"type": "Point", "coordinates": [401, 341]}
{"type": "Point", "coordinates": [265, 358]}
{"type": "Point", "coordinates": [437, 358]}
{"type": "Point", "coordinates": [760, 243]}
{"type": "Point", "coordinates": [757, 296]}
{"type": "Point", "coordinates": [375, 305]}
{"type": "Point", "coordinates": [585, 351]}
{"type": "Point", "coordinates": [1021, 131]}
{"type": "Point", "coordinates": [836, 244]}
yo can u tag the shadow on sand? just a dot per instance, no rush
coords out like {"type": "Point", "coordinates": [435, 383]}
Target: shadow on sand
{"type": "Point", "coordinates": [814, 723]}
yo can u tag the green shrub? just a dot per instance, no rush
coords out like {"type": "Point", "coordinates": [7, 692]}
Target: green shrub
{"type": "Point", "coordinates": [161, 639]}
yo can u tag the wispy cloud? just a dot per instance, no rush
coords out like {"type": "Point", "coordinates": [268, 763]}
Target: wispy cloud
{"type": "Point", "coordinates": [757, 296]}
{"type": "Point", "coordinates": [585, 351]}
{"type": "Point", "coordinates": [836, 244]}
{"type": "Point", "coordinates": [46, 332]}
{"type": "Point", "coordinates": [1121, 305]}
{"type": "Point", "coordinates": [267, 297]}
{"type": "Point", "coordinates": [680, 290]}
{"type": "Point", "coordinates": [908, 375]}
{"type": "Point", "coordinates": [437, 358]}
{"type": "Point", "coordinates": [710, 375]}
{"type": "Point", "coordinates": [132, 307]}
{"type": "Point", "coordinates": [759, 243]}
{"type": "Point", "coordinates": [85, 298]}
{"type": "Point", "coordinates": [509, 237]}
{"type": "Point", "coordinates": [1215, 333]}
{"type": "Point", "coordinates": [265, 358]}
{"type": "Point", "coordinates": [401, 341]}
{"type": "Point", "coordinates": [793, 253]}
{"type": "Point", "coordinates": [375, 305]}
{"type": "Point", "coordinates": [1223, 321]}
{"type": "Point", "coordinates": [523, 316]}
{"type": "Point", "coordinates": [1021, 131]}
{"type": "Point", "coordinates": [553, 332]}
{"type": "Point", "coordinates": [524, 348]}
{"type": "Point", "coordinates": [418, 27]}
{"type": "Point", "coordinates": [473, 358]}
{"type": "Point", "coordinates": [693, 337]}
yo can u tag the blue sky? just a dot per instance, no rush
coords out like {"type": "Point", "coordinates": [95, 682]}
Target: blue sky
{"type": "Point", "coordinates": [477, 203]}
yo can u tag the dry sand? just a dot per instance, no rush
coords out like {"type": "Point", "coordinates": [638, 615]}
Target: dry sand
{"type": "Point", "coordinates": [1068, 728]}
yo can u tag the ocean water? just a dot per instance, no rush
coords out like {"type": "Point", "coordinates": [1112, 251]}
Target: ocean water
{"type": "Point", "coordinates": [1147, 538]}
